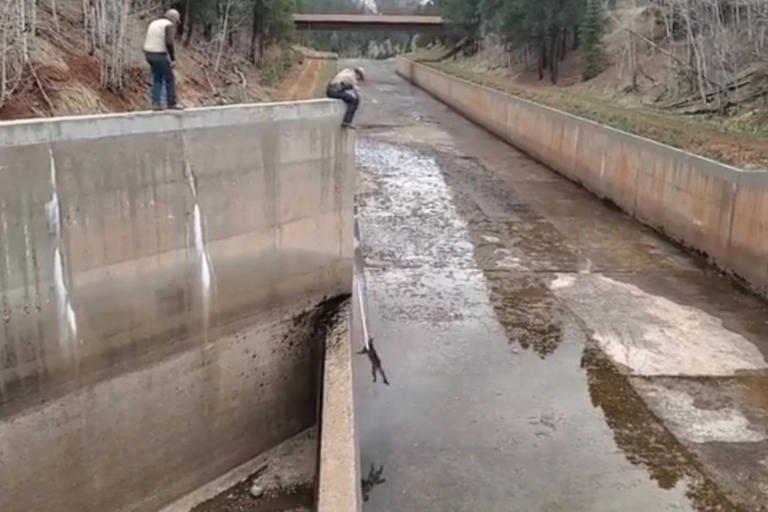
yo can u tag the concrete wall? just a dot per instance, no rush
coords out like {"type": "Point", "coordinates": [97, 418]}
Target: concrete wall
{"type": "Point", "coordinates": [710, 207]}
{"type": "Point", "coordinates": [339, 473]}
{"type": "Point", "coordinates": [159, 277]}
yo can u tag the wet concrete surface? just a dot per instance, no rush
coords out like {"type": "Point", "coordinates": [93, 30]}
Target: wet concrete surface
{"type": "Point", "coordinates": [545, 351]}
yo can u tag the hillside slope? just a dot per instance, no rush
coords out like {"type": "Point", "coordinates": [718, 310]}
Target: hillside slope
{"type": "Point", "coordinates": [63, 78]}
{"type": "Point", "coordinates": [646, 98]}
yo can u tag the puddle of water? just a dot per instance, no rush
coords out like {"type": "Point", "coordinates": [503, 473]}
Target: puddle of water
{"type": "Point", "coordinates": [644, 440]}
{"type": "Point", "coordinates": [528, 311]}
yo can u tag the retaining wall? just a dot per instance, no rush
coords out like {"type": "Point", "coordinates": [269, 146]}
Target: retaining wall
{"type": "Point", "coordinates": [719, 210]}
{"type": "Point", "coordinates": [339, 474]}
{"type": "Point", "coordinates": [161, 278]}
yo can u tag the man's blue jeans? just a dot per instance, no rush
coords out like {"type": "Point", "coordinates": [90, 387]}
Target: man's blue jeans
{"type": "Point", "coordinates": [162, 78]}
{"type": "Point", "coordinates": [348, 96]}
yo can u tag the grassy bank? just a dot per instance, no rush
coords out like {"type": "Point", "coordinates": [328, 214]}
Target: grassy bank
{"type": "Point", "coordinates": [697, 135]}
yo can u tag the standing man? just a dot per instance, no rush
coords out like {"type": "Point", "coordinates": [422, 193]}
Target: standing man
{"type": "Point", "coordinates": [344, 86]}
{"type": "Point", "coordinates": [158, 48]}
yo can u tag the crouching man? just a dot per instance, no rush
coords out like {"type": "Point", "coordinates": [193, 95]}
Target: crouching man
{"type": "Point", "coordinates": [344, 86]}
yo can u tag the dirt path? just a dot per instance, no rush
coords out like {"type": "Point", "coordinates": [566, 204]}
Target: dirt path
{"type": "Point", "coordinates": [307, 81]}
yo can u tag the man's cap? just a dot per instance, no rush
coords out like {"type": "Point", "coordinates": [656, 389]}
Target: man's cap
{"type": "Point", "coordinates": [173, 15]}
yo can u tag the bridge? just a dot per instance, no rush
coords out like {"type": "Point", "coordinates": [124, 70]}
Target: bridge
{"type": "Point", "coordinates": [395, 23]}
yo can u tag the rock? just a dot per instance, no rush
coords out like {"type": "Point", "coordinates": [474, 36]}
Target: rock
{"type": "Point", "coordinates": [257, 491]}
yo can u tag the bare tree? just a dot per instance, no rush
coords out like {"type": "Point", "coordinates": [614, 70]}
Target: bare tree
{"type": "Point", "coordinates": [106, 28]}
{"type": "Point", "coordinates": [17, 32]}
{"type": "Point", "coordinates": [223, 37]}
{"type": "Point", "coordinates": [717, 44]}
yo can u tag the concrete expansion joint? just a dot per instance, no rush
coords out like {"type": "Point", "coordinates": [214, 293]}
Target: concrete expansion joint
{"type": "Point", "coordinates": [604, 272]}
{"type": "Point", "coordinates": [740, 376]}
{"type": "Point", "coordinates": [385, 126]}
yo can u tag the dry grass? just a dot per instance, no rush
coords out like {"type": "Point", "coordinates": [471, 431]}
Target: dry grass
{"type": "Point", "coordinates": [710, 137]}
{"type": "Point", "coordinates": [77, 99]}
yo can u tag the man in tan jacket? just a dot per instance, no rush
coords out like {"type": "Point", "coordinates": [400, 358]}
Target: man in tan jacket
{"type": "Point", "coordinates": [344, 86]}
{"type": "Point", "coordinates": [160, 54]}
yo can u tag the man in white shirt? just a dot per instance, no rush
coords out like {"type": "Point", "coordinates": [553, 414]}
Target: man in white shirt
{"type": "Point", "coordinates": [160, 54]}
{"type": "Point", "coordinates": [344, 86]}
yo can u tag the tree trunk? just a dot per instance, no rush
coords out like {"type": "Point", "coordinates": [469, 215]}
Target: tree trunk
{"type": "Point", "coordinates": [261, 47]}
{"type": "Point", "coordinates": [525, 59]}
{"type": "Point", "coordinates": [252, 49]}
{"type": "Point", "coordinates": [190, 29]}
{"type": "Point", "coordinates": [3, 61]}
{"type": "Point", "coordinates": [576, 39]}
{"type": "Point", "coordinates": [224, 36]}
{"type": "Point", "coordinates": [563, 45]}
{"type": "Point", "coordinates": [554, 58]}
{"type": "Point", "coordinates": [256, 32]}
{"type": "Point", "coordinates": [186, 21]}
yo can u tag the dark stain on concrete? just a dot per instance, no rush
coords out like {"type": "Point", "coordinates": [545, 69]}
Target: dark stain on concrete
{"type": "Point", "coordinates": [739, 467]}
{"type": "Point", "coordinates": [527, 310]}
{"type": "Point", "coordinates": [644, 439]}
{"type": "Point", "coordinates": [505, 248]}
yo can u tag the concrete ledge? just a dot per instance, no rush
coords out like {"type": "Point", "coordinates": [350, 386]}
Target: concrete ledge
{"type": "Point", "coordinates": [339, 472]}
{"type": "Point", "coordinates": [164, 280]}
{"type": "Point", "coordinates": [709, 207]}
{"type": "Point", "coordinates": [61, 129]}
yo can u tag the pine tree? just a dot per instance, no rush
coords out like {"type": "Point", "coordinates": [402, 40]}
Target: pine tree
{"type": "Point", "coordinates": [464, 18]}
{"type": "Point", "coordinates": [593, 30]}
{"type": "Point", "coordinates": [544, 27]}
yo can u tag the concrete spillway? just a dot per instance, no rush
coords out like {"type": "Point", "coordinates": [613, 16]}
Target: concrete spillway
{"type": "Point", "coordinates": [162, 280]}
{"type": "Point", "coordinates": [544, 350]}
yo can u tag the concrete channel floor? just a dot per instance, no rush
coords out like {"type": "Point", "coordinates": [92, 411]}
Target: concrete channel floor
{"type": "Point", "coordinates": [545, 351]}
